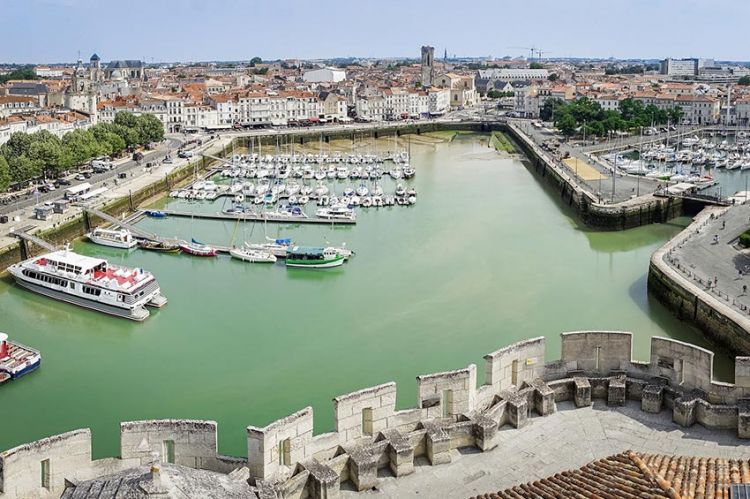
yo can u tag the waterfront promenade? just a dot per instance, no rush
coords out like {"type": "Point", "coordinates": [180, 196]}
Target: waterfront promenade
{"type": "Point", "coordinates": [566, 440]}
{"type": "Point", "coordinates": [704, 275]}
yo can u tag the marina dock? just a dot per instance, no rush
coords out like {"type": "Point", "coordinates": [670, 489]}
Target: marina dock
{"type": "Point", "coordinates": [258, 218]}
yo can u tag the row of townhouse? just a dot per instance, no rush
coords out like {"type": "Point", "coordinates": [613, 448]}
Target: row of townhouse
{"type": "Point", "coordinates": [185, 111]}
{"type": "Point", "coordinates": [696, 109]}
{"type": "Point", "coordinates": [58, 123]}
{"type": "Point", "coordinates": [14, 104]}
{"type": "Point", "coordinates": [398, 103]}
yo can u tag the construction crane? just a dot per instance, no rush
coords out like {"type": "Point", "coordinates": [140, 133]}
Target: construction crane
{"type": "Point", "coordinates": [530, 49]}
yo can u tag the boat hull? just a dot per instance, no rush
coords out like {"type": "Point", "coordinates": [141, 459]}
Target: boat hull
{"type": "Point", "coordinates": [26, 370]}
{"type": "Point", "coordinates": [112, 244]}
{"type": "Point", "coordinates": [245, 257]}
{"type": "Point", "coordinates": [197, 252]}
{"type": "Point", "coordinates": [138, 313]}
{"type": "Point", "coordinates": [316, 264]}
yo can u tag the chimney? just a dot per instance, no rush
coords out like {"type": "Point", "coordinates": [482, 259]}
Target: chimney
{"type": "Point", "coordinates": [3, 345]}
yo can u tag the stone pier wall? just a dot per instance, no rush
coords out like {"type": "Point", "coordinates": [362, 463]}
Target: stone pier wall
{"type": "Point", "coordinates": [619, 216]}
{"type": "Point", "coordinates": [286, 458]}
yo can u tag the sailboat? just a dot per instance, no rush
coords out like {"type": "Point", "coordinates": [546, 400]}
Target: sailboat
{"type": "Point", "coordinates": [197, 248]}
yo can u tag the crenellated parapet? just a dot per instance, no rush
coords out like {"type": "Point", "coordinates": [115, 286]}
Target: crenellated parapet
{"type": "Point", "coordinates": [286, 458]}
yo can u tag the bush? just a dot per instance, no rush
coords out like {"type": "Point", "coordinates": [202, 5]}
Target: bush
{"type": "Point", "coordinates": [745, 239]}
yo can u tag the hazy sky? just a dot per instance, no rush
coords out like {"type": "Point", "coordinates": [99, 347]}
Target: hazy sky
{"type": "Point", "coordinates": [197, 30]}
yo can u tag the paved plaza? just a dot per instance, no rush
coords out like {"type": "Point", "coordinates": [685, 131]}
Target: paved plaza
{"type": "Point", "coordinates": [566, 440]}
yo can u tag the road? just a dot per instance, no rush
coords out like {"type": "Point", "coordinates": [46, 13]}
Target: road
{"type": "Point", "coordinates": [169, 145]}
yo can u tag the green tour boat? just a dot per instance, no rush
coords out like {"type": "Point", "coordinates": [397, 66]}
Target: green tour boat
{"type": "Point", "coordinates": [313, 258]}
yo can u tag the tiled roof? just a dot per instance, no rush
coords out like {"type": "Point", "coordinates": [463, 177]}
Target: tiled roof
{"type": "Point", "coordinates": [633, 475]}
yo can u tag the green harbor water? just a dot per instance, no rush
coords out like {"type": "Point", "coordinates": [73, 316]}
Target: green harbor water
{"type": "Point", "coordinates": [487, 257]}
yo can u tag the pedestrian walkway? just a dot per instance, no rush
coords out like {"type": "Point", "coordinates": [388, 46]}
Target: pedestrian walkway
{"type": "Point", "coordinates": [583, 170]}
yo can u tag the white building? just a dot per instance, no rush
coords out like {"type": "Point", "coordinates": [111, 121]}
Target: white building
{"type": "Point", "coordinates": [48, 72]}
{"type": "Point", "coordinates": [506, 74]}
{"type": "Point", "coordinates": [438, 101]}
{"type": "Point", "coordinates": [324, 75]}
{"type": "Point", "coordinates": [679, 67]}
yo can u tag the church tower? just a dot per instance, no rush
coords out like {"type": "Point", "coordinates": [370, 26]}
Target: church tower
{"type": "Point", "coordinates": [428, 65]}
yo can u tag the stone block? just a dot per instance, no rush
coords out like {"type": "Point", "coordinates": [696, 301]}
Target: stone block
{"type": "Point", "coordinates": [363, 468]}
{"type": "Point", "coordinates": [582, 394]}
{"type": "Point", "coordinates": [743, 418]}
{"type": "Point", "coordinates": [438, 444]}
{"type": "Point", "coordinates": [616, 391]}
{"type": "Point", "coordinates": [485, 433]}
{"type": "Point", "coordinates": [684, 411]}
{"type": "Point", "coordinates": [400, 453]}
{"type": "Point", "coordinates": [544, 397]}
{"type": "Point", "coordinates": [517, 408]}
{"type": "Point", "coordinates": [324, 482]}
{"type": "Point", "coordinates": [652, 398]}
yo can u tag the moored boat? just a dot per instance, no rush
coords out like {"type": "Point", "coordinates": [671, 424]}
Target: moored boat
{"type": "Point", "coordinates": [114, 238]}
{"type": "Point", "coordinates": [197, 248]}
{"type": "Point", "coordinates": [251, 255]}
{"type": "Point", "coordinates": [313, 258]}
{"type": "Point", "coordinates": [161, 246]}
{"type": "Point", "coordinates": [91, 283]}
{"type": "Point", "coordinates": [16, 359]}
{"type": "Point", "coordinates": [156, 214]}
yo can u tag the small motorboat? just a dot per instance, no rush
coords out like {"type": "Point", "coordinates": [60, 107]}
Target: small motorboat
{"type": "Point", "coordinates": [161, 246]}
{"type": "Point", "coordinates": [156, 214]}
{"type": "Point", "coordinates": [197, 248]}
{"type": "Point", "coordinates": [247, 254]}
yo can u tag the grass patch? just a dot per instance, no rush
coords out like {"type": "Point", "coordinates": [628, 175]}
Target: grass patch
{"type": "Point", "coordinates": [502, 143]}
{"type": "Point", "coordinates": [447, 135]}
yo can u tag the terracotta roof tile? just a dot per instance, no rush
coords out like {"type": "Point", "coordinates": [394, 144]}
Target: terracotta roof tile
{"type": "Point", "coordinates": [633, 475]}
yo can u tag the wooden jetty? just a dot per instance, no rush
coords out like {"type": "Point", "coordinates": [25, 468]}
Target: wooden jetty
{"type": "Point", "coordinates": [259, 217]}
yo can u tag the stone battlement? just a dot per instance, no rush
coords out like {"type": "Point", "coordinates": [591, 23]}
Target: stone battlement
{"type": "Point", "coordinates": [286, 459]}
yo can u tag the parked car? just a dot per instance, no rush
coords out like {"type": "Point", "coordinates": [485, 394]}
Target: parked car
{"type": "Point", "coordinates": [62, 181]}
{"type": "Point", "coordinates": [80, 177]}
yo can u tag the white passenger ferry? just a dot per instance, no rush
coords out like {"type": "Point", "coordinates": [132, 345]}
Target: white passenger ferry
{"type": "Point", "coordinates": [90, 282]}
{"type": "Point", "coordinates": [114, 238]}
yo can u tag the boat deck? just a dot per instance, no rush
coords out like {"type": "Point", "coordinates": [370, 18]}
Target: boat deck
{"type": "Point", "coordinates": [18, 357]}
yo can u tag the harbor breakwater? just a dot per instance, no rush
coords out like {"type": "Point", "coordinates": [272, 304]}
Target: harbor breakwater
{"type": "Point", "coordinates": [287, 459]}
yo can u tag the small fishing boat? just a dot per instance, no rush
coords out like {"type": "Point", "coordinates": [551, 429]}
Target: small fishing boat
{"type": "Point", "coordinates": [114, 238]}
{"type": "Point", "coordinates": [16, 359]}
{"type": "Point", "coordinates": [197, 248]}
{"type": "Point", "coordinates": [247, 254]}
{"type": "Point", "coordinates": [156, 214]}
{"type": "Point", "coordinates": [160, 246]}
{"type": "Point", "coordinates": [313, 258]}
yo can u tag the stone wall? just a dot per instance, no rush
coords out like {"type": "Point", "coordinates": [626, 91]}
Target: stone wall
{"type": "Point", "coordinates": [285, 457]}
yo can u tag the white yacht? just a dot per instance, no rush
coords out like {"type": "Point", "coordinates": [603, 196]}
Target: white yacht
{"type": "Point", "coordinates": [337, 212]}
{"type": "Point", "coordinates": [91, 283]}
{"type": "Point", "coordinates": [114, 238]}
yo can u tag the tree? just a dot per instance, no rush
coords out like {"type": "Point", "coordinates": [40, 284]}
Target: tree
{"type": "Point", "coordinates": [745, 80]}
{"type": "Point", "coordinates": [675, 114]}
{"type": "Point", "coordinates": [548, 109]}
{"type": "Point", "coordinates": [17, 144]}
{"type": "Point", "coordinates": [149, 128]}
{"type": "Point", "coordinates": [566, 123]}
{"type": "Point", "coordinates": [25, 73]}
{"type": "Point", "coordinates": [536, 65]}
{"type": "Point", "coordinates": [255, 60]}
{"type": "Point", "coordinates": [553, 77]}
{"type": "Point", "coordinates": [4, 174]}
{"type": "Point", "coordinates": [21, 168]}
{"type": "Point", "coordinates": [127, 119]}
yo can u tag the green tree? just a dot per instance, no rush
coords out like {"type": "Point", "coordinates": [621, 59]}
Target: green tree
{"type": "Point", "coordinates": [548, 109]}
{"type": "Point", "coordinates": [745, 80]}
{"type": "Point", "coordinates": [149, 128]}
{"type": "Point", "coordinates": [4, 174]}
{"type": "Point", "coordinates": [21, 168]}
{"type": "Point", "coordinates": [25, 73]}
{"type": "Point", "coordinates": [566, 123]}
{"type": "Point", "coordinates": [675, 114]}
{"type": "Point", "coordinates": [553, 77]}
{"type": "Point", "coordinates": [127, 119]}
{"type": "Point", "coordinates": [82, 146]}
{"type": "Point", "coordinates": [255, 60]}
{"type": "Point", "coordinates": [536, 65]}
{"type": "Point", "coordinates": [17, 144]}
